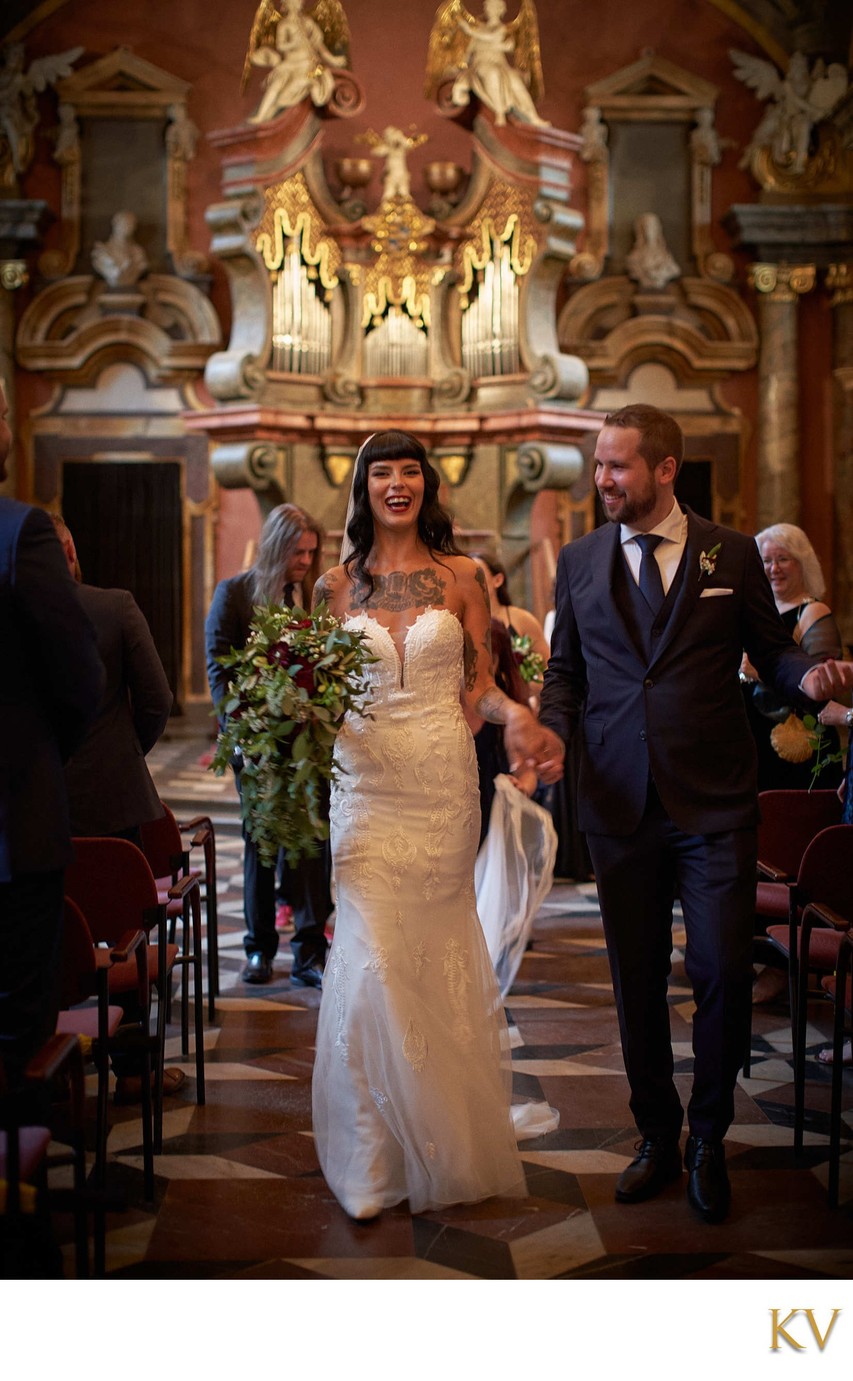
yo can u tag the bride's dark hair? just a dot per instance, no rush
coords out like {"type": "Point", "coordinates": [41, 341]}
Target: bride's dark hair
{"type": "Point", "coordinates": [435, 526]}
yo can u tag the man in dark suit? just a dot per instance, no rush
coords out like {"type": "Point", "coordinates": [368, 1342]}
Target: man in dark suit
{"type": "Point", "coordinates": [49, 693]}
{"type": "Point", "coordinates": [110, 791]}
{"type": "Point", "coordinates": [284, 573]}
{"type": "Point", "coordinates": [653, 613]}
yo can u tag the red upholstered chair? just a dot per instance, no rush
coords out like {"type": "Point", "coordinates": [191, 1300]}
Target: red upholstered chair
{"type": "Point", "coordinates": [810, 943]}
{"type": "Point", "coordinates": [112, 883]}
{"type": "Point", "coordinates": [25, 1199]}
{"type": "Point", "coordinates": [839, 986]}
{"type": "Point", "coordinates": [789, 822]}
{"type": "Point", "coordinates": [163, 846]}
{"type": "Point", "coordinates": [84, 974]}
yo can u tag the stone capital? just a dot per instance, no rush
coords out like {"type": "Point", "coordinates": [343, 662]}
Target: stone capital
{"type": "Point", "coordinates": [782, 282]}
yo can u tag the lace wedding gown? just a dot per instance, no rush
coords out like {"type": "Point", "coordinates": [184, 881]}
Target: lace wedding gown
{"type": "Point", "coordinates": [412, 1073]}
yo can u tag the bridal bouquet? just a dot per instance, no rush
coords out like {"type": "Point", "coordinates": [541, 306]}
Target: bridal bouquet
{"type": "Point", "coordinates": [290, 687]}
{"type": "Point", "coordinates": [531, 665]}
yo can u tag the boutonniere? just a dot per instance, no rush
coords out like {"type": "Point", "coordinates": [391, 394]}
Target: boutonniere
{"type": "Point", "coordinates": [708, 560]}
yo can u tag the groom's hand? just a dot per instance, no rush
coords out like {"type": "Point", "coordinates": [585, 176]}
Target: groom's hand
{"type": "Point", "coordinates": [828, 681]}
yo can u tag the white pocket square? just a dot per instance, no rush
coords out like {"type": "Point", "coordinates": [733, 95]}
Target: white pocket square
{"type": "Point", "coordinates": [714, 590]}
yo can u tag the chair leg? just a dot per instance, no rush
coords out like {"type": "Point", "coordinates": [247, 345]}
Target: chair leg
{"type": "Point", "coordinates": [837, 1076]}
{"type": "Point", "coordinates": [147, 1128]}
{"type": "Point", "coordinates": [160, 1063]}
{"type": "Point", "coordinates": [210, 901]}
{"type": "Point", "coordinates": [198, 995]}
{"type": "Point", "coordinates": [186, 960]}
{"type": "Point", "coordinates": [799, 1021]}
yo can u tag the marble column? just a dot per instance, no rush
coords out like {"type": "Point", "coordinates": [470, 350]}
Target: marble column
{"type": "Point", "coordinates": [839, 280]}
{"type": "Point", "coordinates": [13, 274]}
{"type": "Point", "coordinates": [779, 287]}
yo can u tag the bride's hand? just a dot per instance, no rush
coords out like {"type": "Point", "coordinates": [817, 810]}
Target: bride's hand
{"type": "Point", "coordinates": [529, 744]}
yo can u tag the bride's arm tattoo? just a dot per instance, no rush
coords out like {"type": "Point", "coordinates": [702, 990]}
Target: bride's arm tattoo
{"type": "Point", "coordinates": [324, 589]}
{"type": "Point", "coordinates": [402, 590]}
{"type": "Point", "coordinates": [487, 636]}
{"type": "Point", "coordinates": [494, 706]}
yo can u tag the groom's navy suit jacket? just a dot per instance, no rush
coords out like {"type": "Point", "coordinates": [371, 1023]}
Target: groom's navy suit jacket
{"type": "Point", "coordinates": [677, 710]}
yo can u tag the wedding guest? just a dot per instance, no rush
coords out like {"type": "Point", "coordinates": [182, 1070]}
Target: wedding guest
{"type": "Point", "coordinates": [110, 791]}
{"type": "Point", "coordinates": [798, 586]}
{"type": "Point", "coordinates": [284, 572]}
{"type": "Point", "coordinates": [52, 683]}
{"type": "Point", "coordinates": [518, 622]}
{"type": "Point", "coordinates": [841, 718]}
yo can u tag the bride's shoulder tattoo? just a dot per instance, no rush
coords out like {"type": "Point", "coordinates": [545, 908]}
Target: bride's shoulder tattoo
{"type": "Point", "coordinates": [402, 590]}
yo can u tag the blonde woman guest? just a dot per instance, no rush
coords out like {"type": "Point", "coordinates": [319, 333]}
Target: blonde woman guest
{"type": "Point", "coordinates": [798, 586]}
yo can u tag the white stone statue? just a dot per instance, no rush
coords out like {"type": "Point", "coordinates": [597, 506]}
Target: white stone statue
{"type": "Point", "coordinates": [800, 100]}
{"type": "Point", "coordinates": [650, 262]}
{"type": "Point", "coordinates": [18, 108]}
{"type": "Point", "coordinates": [181, 133]}
{"type": "Point", "coordinates": [477, 53]}
{"type": "Point", "coordinates": [704, 140]}
{"type": "Point", "coordinates": [393, 144]}
{"type": "Point", "coordinates": [295, 47]}
{"type": "Point", "coordinates": [120, 261]}
{"type": "Point", "coordinates": [594, 135]}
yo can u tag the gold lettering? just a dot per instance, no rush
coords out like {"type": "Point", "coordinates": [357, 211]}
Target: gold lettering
{"type": "Point", "coordinates": [821, 1341]}
{"type": "Point", "coordinates": [779, 1331]}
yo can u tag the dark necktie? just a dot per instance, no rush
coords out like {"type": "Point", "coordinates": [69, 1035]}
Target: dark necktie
{"type": "Point", "coordinates": [288, 595]}
{"type": "Point", "coordinates": [651, 585]}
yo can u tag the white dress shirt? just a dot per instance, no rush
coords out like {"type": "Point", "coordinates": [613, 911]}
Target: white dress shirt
{"type": "Point", "coordinates": [668, 553]}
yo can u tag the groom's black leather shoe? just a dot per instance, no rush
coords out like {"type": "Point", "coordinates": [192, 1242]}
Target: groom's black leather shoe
{"type": "Point", "coordinates": [657, 1165]}
{"type": "Point", "coordinates": [308, 975]}
{"type": "Point", "coordinates": [708, 1188]}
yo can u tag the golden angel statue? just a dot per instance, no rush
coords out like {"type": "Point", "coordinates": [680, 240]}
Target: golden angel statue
{"type": "Point", "coordinates": [476, 53]}
{"type": "Point", "coordinates": [299, 47]}
{"type": "Point", "coordinates": [393, 144]}
{"type": "Point", "coordinates": [18, 109]}
{"type": "Point", "coordinates": [800, 100]}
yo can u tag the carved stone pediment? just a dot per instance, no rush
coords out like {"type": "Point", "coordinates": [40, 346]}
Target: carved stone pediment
{"type": "Point", "coordinates": [652, 88]}
{"type": "Point", "coordinates": [122, 83]}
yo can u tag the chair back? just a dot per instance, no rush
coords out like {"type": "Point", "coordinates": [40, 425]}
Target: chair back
{"type": "Point", "coordinates": [112, 884]}
{"type": "Point", "coordinates": [826, 871]}
{"type": "Point", "coordinates": [78, 975]}
{"type": "Point", "coordinates": [162, 845]}
{"type": "Point", "coordinates": [789, 822]}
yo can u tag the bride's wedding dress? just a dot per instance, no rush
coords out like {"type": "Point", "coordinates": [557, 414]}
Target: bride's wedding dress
{"type": "Point", "coordinates": [412, 1073]}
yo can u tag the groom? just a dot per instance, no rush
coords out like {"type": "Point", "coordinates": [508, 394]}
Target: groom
{"type": "Point", "coordinates": [654, 611]}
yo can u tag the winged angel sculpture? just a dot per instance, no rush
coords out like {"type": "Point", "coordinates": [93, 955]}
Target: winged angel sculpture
{"type": "Point", "coordinates": [299, 47]}
{"type": "Point", "coordinates": [799, 101]}
{"type": "Point", "coordinates": [475, 54]}
{"type": "Point", "coordinates": [18, 109]}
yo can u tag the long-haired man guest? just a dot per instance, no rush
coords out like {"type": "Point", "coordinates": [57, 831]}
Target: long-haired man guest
{"type": "Point", "coordinates": [284, 572]}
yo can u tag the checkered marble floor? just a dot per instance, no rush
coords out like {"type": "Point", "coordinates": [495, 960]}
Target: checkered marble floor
{"type": "Point", "coordinates": [239, 1193]}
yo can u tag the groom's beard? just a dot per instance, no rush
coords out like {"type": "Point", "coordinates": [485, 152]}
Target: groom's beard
{"type": "Point", "coordinates": [629, 511]}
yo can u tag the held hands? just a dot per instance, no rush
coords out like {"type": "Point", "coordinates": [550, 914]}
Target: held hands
{"type": "Point", "coordinates": [829, 680]}
{"type": "Point", "coordinates": [530, 745]}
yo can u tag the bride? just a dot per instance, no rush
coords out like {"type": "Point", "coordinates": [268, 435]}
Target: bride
{"type": "Point", "coordinates": [411, 1086]}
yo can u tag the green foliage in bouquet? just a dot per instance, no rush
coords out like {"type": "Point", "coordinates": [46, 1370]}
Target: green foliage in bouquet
{"type": "Point", "coordinates": [531, 665]}
{"type": "Point", "coordinates": [290, 687]}
{"type": "Point", "coordinates": [819, 743]}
